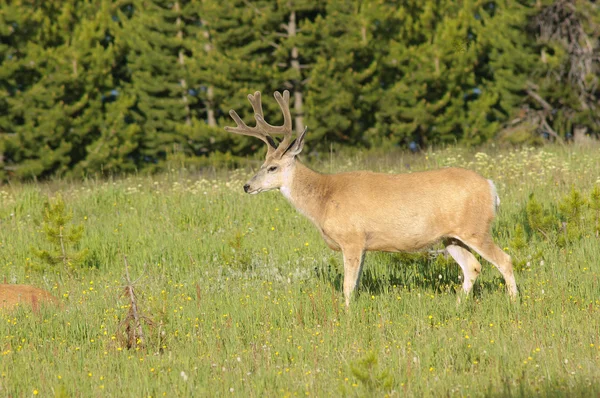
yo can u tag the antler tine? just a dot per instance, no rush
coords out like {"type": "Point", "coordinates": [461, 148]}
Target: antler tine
{"type": "Point", "coordinates": [256, 103]}
{"type": "Point", "coordinates": [286, 128]}
{"type": "Point", "coordinates": [243, 129]}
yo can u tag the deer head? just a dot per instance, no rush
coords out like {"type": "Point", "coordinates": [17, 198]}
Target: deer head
{"type": "Point", "coordinates": [279, 164]}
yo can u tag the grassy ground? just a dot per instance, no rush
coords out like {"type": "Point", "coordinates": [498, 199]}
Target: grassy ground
{"type": "Point", "coordinates": [246, 297]}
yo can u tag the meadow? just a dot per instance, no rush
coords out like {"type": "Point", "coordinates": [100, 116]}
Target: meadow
{"type": "Point", "coordinates": [245, 296]}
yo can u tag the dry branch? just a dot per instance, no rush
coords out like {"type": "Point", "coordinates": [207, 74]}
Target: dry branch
{"type": "Point", "coordinates": [130, 329]}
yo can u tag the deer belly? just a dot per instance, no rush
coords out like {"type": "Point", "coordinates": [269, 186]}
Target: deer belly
{"type": "Point", "coordinates": [399, 241]}
{"type": "Point", "coordinates": [333, 245]}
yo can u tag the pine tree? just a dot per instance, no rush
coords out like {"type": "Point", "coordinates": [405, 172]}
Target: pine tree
{"type": "Point", "coordinates": [60, 114]}
{"type": "Point", "coordinates": [436, 74]}
{"type": "Point", "coordinates": [156, 35]}
{"type": "Point", "coordinates": [509, 67]}
{"type": "Point", "coordinates": [238, 60]}
{"type": "Point", "coordinates": [63, 236]}
{"type": "Point", "coordinates": [207, 78]}
{"type": "Point", "coordinates": [567, 33]}
{"type": "Point", "coordinates": [104, 86]}
{"type": "Point", "coordinates": [348, 42]}
{"type": "Point", "coordinates": [111, 140]}
{"type": "Point", "coordinates": [38, 117]}
{"type": "Point", "coordinates": [26, 29]}
{"type": "Point", "coordinates": [287, 31]}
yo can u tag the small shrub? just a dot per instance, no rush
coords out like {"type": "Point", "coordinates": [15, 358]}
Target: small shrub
{"type": "Point", "coordinates": [540, 220]}
{"type": "Point", "coordinates": [571, 208]}
{"type": "Point", "coordinates": [64, 238]}
{"type": "Point", "coordinates": [519, 240]}
{"type": "Point", "coordinates": [367, 371]}
{"type": "Point", "coordinates": [595, 206]}
{"type": "Point", "coordinates": [574, 218]}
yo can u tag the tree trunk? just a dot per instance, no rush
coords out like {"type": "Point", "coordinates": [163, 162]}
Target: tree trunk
{"type": "Point", "coordinates": [210, 93]}
{"type": "Point", "coordinates": [181, 60]}
{"type": "Point", "coordinates": [297, 83]}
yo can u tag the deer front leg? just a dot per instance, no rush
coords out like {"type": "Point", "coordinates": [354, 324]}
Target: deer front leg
{"type": "Point", "coordinates": [353, 261]}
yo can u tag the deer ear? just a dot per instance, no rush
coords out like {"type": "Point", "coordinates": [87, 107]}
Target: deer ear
{"type": "Point", "coordinates": [298, 144]}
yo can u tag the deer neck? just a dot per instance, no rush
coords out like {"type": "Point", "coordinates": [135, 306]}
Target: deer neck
{"type": "Point", "coordinates": [306, 190]}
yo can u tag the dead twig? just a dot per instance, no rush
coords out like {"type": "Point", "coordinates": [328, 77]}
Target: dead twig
{"type": "Point", "coordinates": [539, 99]}
{"type": "Point", "coordinates": [130, 328]}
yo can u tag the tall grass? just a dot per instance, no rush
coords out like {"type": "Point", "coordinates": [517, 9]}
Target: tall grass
{"type": "Point", "coordinates": [246, 297]}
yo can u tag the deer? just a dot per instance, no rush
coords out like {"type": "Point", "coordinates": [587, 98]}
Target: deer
{"type": "Point", "coordinates": [14, 295]}
{"type": "Point", "coordinates": [362, 211]}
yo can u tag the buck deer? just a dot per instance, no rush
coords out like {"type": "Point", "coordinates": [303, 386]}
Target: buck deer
{"type": "Point", "coordinates": [364, 211]}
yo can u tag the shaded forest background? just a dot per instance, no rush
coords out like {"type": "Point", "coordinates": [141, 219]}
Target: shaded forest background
{"type": "Point", "coordinates": [116, 86]}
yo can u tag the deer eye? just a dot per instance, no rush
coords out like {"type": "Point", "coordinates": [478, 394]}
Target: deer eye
{"type": "Point", "coordinates": [272, 169]}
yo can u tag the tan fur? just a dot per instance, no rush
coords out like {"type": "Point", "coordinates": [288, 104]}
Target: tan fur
{"type": "Point", "coordinates": [363, 211]}
{"type": "Point", "coordinates": [404, 212]}
{"type": "Point", "coordinates": [11, 295]}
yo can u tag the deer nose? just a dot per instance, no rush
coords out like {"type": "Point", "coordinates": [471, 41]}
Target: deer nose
{"type": "Point", "coordinates": [246, 188]}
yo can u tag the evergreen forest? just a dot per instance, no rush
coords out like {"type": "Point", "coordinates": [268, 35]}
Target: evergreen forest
{"type": "Point", "coordinates": [114, 86]}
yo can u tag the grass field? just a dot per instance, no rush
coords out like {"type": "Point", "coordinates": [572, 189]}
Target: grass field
{"type": "Point", "coordinates": [246, 299]}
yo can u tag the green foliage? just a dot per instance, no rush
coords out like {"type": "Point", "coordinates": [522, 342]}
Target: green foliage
{"type": "Point", "coordinates": [571, 207]}
{"type": "Point", "coordinates": [62, 236]}
{"type": "Point", "coordinates": [595, 198]}
{"type": "Point", "coordinates": [114, 87]}
{"type": "Point", "coordinates": [539, 219]}
{"type": "Point", "coordinates": [519, 240]}
{"type": "Point", "coordinates": [570, 222]}
{"type": "Point", "coordinates": [373, 379]}
{"type": "Point", "coordinates": [595, 206]}
{"type": "Point", "coordinates": [518, 245]}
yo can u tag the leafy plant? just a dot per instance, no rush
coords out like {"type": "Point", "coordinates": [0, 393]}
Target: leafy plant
{"type": "Point", "coordinates": [595, 206]}
{"type": "Point", "coordinates": [571, 208]}
{"type": "Point", "coordinates": [62, 235]}
{"type": "Point", "coordinates": [519, 240]}
{"type": "Point", "coordinates": [539, 219]}
{"type": "Point", "coordinates": [371, 377]}
{"type": "Point", "coordinates": [571, 220]}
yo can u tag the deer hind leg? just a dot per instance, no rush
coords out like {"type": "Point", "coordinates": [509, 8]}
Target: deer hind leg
{"type": "Point", "coordinates": [353, 261]}
{"type": "Point", "coordinates": [467, 261]}
{"type": "Point", "coordinates": [492, 253]}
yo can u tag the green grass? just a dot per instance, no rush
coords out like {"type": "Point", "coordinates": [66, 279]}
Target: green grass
{"type": "Point", "coordinates": [246, 297]}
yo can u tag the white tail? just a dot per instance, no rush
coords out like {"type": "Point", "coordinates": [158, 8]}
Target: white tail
{"type": "Point", "coordinates": [363, 211]}
{"type": "Point", "coordinates": [495, 197]}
